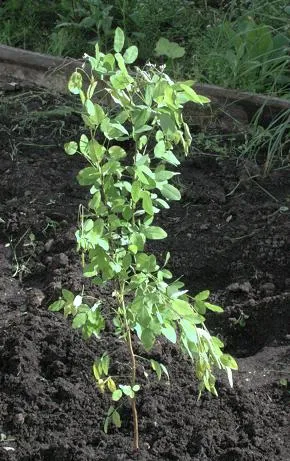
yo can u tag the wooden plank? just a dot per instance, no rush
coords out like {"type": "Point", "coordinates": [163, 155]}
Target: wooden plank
{"type": "Point", "coordinates": [53, 72]}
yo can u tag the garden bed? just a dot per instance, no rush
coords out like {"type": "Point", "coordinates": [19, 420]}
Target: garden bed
{"type": "Point", "coordinates": [230, 234]}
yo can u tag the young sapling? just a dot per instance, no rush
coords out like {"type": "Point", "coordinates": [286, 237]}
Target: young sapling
{"type": "Point", "coordinates": [128, 187]}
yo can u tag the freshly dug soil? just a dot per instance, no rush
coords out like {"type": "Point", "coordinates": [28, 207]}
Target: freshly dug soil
{"type": "Point", "coordinates": [229, 234]}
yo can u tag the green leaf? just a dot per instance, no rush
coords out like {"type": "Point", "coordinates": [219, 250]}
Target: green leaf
{"type": "Point", "coordinates": [57, 306]}
{"type": "Point", "coordinates": [147, 203]}
{"type": "Point", "coordinates": [193, 96]}
{"type": "Point", "coordinates": [170, 49]}
{"type": "Point", "coordinates": [160, 149]}
{"type": "Point", "coordinates": [121, 63]}
{"type": "Point", "coordinates": [202, 296]}
{"type": "Point", "coordinates": [164, 175]}
{"type": "Point", "coordinates": [111, 385]}
{"type": "Point", "coordinates": [167, 124]}
{"type": "Point", "coordinates": [228, 361]}
{"type": "Point", "coordinates": [84, 144]}
{"type": "Point", "coordinates": [108, 419]}
{"type": "Point", "coordinates": [116, 419]}
{"type": "Point", "coordinates": [68, 296]}
{"type": "Point", "coordinates": [105, 361]}
{"type": "Point", "coordinates": [136, 388]}
{"type": "Point", "coordinates": [155, 233]}
{"type": "Point", "coordinates": [127, 390]}
{"type": "Point", "coordinates": [79, 320]}
{"type": "Point", "coordinates": [164, 369]}
{"type": "Point", "coordinates": [116, 152]}
{"type": "Point", "coordinates": [119, 40]}
{"type": "Point", "coordinates": [131, 54]}
{"type": "Point", "coordinates": [189, 330]}
{"type": "Point", "coordinates": [96, 150]}
{"type": "Point", "coordinates": [90, 107]}
{"type": "Point", "coordinates": [169, 332]}
{"type": "Point", "coordinates": [88, 176]}
{"type": "Point", "coordinates": [183, 309]}
{"type": "Point", "coordinates": [117, 394]}
{"type": "Point", "coordinates": [136, 191]}
{"type": "Point", "coordinates": [75, 83]}
{"type": "Point", "coordinates": [157, 368]}
{"type": "Point", "coordinates": [147, 339]}
{"type": "Point", "coordinates": [71, 148]}
{"type": "Point", "coordinates": [170, 192]}
{"type": "Point", "coordinates": [213, 307]}
{"type": "Point", "coordinates": [120, 80]}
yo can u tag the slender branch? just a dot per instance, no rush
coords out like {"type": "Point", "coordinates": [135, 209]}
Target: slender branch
{"type": "Point", "coordinates": [133, 376]}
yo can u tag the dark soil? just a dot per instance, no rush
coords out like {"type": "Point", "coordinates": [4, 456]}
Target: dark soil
{"type": "Point", "coordinates": [229, 233]}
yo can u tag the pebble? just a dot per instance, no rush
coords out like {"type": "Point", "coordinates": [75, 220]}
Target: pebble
{"type": "Point", "coordinates": [245, 287]}
{"type": "Point", "coordinates": [19, 419]}
{"type": "Point", "coordinates": [48, 245]}
{"type": "Point", "coordinates": [268, 288]}
{"type": "Point", "coordinates": [287, 284]}
{"type": "Point", "coordinates": [35, 297]}
{"type": "Point", "coordinates": [63, 259]}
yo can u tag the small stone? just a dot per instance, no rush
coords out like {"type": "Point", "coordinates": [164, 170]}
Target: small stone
{"type": "Point", "coordinates": [35, 297]}
{"type": "Point", "coordinates": [244, 287]}
{"type": "Point", "coordinates": [268, 288]}
{"type": "Point", "coordinates": [19, 419]}
{"type": "Point", "coordinates": [63, 259]}
{"type": "Point", "coordinates": [233, 287]}
{"type": "Point", "coordinates": [48, 245]}
{"type": "Point", "coordinates": [287, 284]}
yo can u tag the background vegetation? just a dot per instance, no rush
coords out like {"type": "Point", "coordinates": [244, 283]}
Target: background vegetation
{"type": "Point", "coordinates": [239, 43]}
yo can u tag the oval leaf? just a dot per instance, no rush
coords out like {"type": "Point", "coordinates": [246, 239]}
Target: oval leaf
{"type": "Point", "coordinates": [131, 54]}
{"type": "Point", "coordinates": [119, 40]}
{"type": "Point", "coordinates": [155, 233]}
{"type": "Point", "coordinates": [71, 148]}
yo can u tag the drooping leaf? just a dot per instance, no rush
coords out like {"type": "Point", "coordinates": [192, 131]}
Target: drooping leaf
{"type": "Point", "coordinates": [170, 192]}
{"type": "Point", "coordinates": [75, 83]}
{"type": "Point", "coordinates": [213, 307]}
{"type": "Point", "coordinates": [156, 367]}
{"type": "Point", "coordinates": [155, 233]}
{"type": "Point", "coordinates": [228, 361]}
{"type": "Point", "coordinates": [193, 96]}
{"type": "Point", "coordinates": [79, 320]}
{"type": "Point", "coordinates": [147, 338]}
{"type": "Point", "coordinates": [147, 203]}
{"type": "Point", "coordinates": [169, 332]}
{"type": "Point", "coordinates": [117, 394]}
{"type": "Point", "coordinates": [71, 148]}
{"type": "Point", "coordinates": [116, 419]}
{"type": "Point", "coordinates": [57, 305]}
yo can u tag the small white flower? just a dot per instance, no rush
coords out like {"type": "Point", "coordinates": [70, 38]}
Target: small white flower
{"type": "Point", "coordinates": [78, 301]}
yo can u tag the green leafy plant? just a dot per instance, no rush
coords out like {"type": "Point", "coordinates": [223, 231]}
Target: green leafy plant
{"type": "Point", "coordinates": [128, 188]}
{"type": "Point", "coordinates": [247, 55]}
{"type": "Point", "coordinates": [269, 145]}
{"type": "Point", "coordinates": [170, 50]}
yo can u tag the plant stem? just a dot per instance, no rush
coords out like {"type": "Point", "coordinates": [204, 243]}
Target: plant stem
{"type": "Point", "coordinates": [133, 376]}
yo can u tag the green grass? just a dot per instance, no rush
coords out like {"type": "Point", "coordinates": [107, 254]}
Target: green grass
{"type": "Point", "coordinates": [244, 44]}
